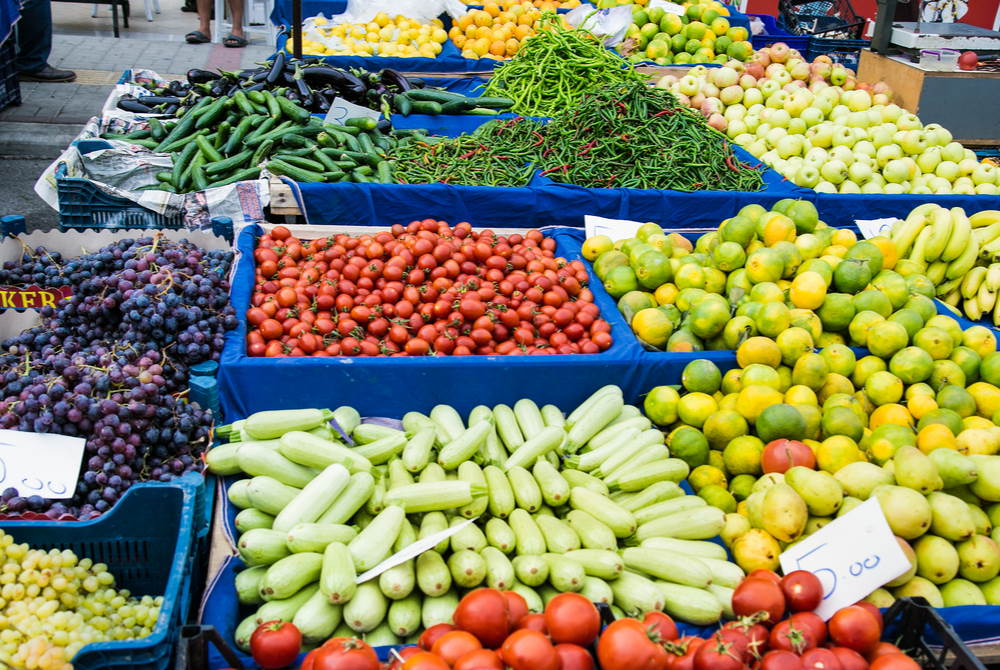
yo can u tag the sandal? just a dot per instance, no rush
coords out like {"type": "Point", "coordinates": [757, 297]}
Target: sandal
{"type": "Point", "coordinates": [234, 41]}
{"type": "Point", "coordinates": [197, 37]}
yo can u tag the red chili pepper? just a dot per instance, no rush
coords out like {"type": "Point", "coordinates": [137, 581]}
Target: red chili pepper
{"type": "Point", "coordinates": [729, 164]}
{"type": "Point", "coordinates": [668, 112]}
{"type": "Point", "coordinates": [541, 138]}
{"type": "Point", "coordinates": [564, 168]}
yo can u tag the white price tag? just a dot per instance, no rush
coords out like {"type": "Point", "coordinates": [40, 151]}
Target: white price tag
{"type": "Point", "coordinates": [616, 229]}
{"type": "Point", "coordinates": [42, 464]}
{"type": "Point", "coordinates": [874, 227]}
{"type": "Point", "coordinates": [412, 551]}
{"type": "Point", "coordinates": [852, 556]}
{"type": "Point", "coordinates": [341, 110]}
{"type": "Point", "coordinates": [668, 7]}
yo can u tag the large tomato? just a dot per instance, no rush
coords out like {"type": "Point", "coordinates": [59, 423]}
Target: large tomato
{"type": "Point", "coordinates": [454, 644]}
{"type": "Point", "coordinates": [307, 662]}
{"type": "Point", "coordinates": [572, 618]}
{"type": "Point", "coordinates": [529, 650]}
{"type": "Point", "coordinates": [662, 624]}
{"type": "Point", "coordinates": [275, 644]}
{"type": "Point", "coordinates": [894, 662]}
{"type": "Point", "coordinates": [854, 627]}
{"type": "Point", "coordinates": [803, 591]}
{"type": "Point", "coordinates": [480, 659]}
{"type": "Point", "coordinates": [780, 659]}
{"type": "Point", "coordinates": [627, 645]}
{"type": "Point", "coordinates": [874, 611]}
{"type": "Point", "coordinates": [791, 638]}
{"type": "Point", "coordinates": [883, 649]}
{"type": "Point", "coordinates": [779, 455]}
{"type": "Point", "coordinates": [820, 659]}
{"type": "Point", "coordinates": [346, 653]}
{"type": "Point", "coordinates": [756, 634]}
{"type": "Point", "coordinates": [483, 613]}
{"type": "Point", "coordinates": [759, 595]}
{"type": "Point", "coordinates": [430, 636]}
{"type": "Point", "coordinates": [397, 656]}
{"type": "Point", "coordinates": [849, 659]}
{"type": "Point", "coordinates": [517, 607]}
{"type": "Point", "coordinates": [718, 654]}
{"type": "Point", "coordinates": [811, 624]}
{"type": "Point", "coordinates": [574, 657]}
{"type": "Point", "coordinates": [533, 622]}
{"type": "Point", "coordinates": [425, 660]}
{"type": "Point", "coordinates": [761, 573]}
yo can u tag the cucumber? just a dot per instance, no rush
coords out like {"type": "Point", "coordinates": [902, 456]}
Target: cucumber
{"type": "Point", "coordinates": [636, 595]}
{"type": "Point", "coordinates": [430, 108]}
{"type": "Point", "coordinates": [404, 615]}
{"type": "Point", "coordinates": [347, 419]}
{"type": "Point", "coordinates": [366, 609]}
{"type": "Point", "coordinates": [697, 606]}
{"type": "Point", "coordinates": [413, 422]}
{"type": "Point", "coordinates": [252, 518]}
{"type": "Point", "coordinates": [314, 499]}
{"type": "Point", "coordinates": [576, 478]}
{"type": "Point", "coordinates": [256, 460]}
{"type": "Point", "coordinates": [500, 535]}
{"type": "Point", "coordinates": [262, 546]}
{"type": "Point", "coordinates": [698, 548]}
{"type": "Point", "coordinates": [438, 609]}
{"type": "Point", "coordinates": [565, 574]}
{"type": "Point", "coordinates": [507, 428]}
{"type": "Point", "coordinates": [373, 543]}
{"type": "Point", "coordinates": [272, 424]}
{"type": "Point", "coordinates": [433, 576]}
{"type": "Point", "coordinates": [472, 473]}
{"type": "Point", "coordinates": [350, 500]}
{"type": "Point", "coordinates": [248, 585]}
{"type": "Point", "coordinates": [668, 566]}
{"type": "Point", "coordinates": [434, 522]}
{"type": "Point", "coordinates": [596, 590]}
{"type": "Point", "coordinates": [317, 619]}
{"type": "Point", "coordinates": [315, 452]}
{"type": "Point", "coordinates": [700, 523]}
{"type": "Point", "coordinates": [447, 423]}
{"type": "Point", "coordinates": [499, 569]}
{"type": "Point", "coordinates": [337, 580]}
{"type": "Point", "coordinates": [417, 452]}
{"type": "Point", "coordinates": [553, 416]}
{"type": "Point", "coordinates": [285, 609]}
{"type": "Point", "coordinates": [289, 575]}
{"type": "Point", "coordinates": [501, 496]}
{"type": "Point", "coordinates": [269, 495]}
{"type": "Point", "coordinates": [554, 487]}
{"type": "Point", "coordinates": [529, 538]}
{"type": "Point", "coordinates": [221, 459]}
{"type": "Point", "coordinates": [651, 495]}
{"type": "Point", "coordinates": [366, 433]}
{"type": "Point", "coordinates": [470, 537]}
{"type": "Point", "coordinates": [398, 581]}
{"type": "Point", "coordinates": [527, 494]}
{"type": "Point", "coordinates": [316, 536]}
{"type": "Point", "coordinates": [432, 95]}
{"type": "Point", "coordinates": [593, 534]}
{"type": "Point", "coordinates": [661, 509]}
{"type": "Point", "coordinates": [398, 474]}
{"type": "Point", "coordinates": [530, 570]}
{"type": "Point", "coordinates": [468, 569]}
{"type": "Point", "coordinates": [602, 508]}
{"type": "Point", "coordinates": [383, 449]}
{"type": "Point", "coordinates": [542, 443]}
{"type": "Point", "coordinates": [559, 537]}
{"type": "Point", "coordinates": [462, 448]}
{"type": "Point", "coordinates": [531, 597]}
{"type": "Point", "coordinates": [237, 493]}
{"type": "Point", "coordinates": [494, 103]}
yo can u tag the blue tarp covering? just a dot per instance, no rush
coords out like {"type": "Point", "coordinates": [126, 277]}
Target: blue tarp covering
{"type": "Point", "coordinates": [10, 12]}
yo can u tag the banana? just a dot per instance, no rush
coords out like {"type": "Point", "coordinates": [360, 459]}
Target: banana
{"type": "Point", "coordinates": [949, 287]}
{"type": "Point", "coordinates": [971, 309]}
{"type": "Point", "coordinates": [935, 272]}
{"type": "Point", "coordinates": [917, 253]}
{"type": "Point", "coordinates": [961, 233]}
{"type": "Point", "coordinates": [987, 233]}
{"type": "Point", "coordinates": [990, 252]}
{"type": "Point", "coordinates": [993, 277]}
{"type": "Point", "coordinates": [963, 263]}
{"type": "Point", "coordinates": [953, 298]}
{"type": "Point", "coordinates": [941, 229]}
{"type": "Point", "coordinates": [911, 228]}
{"type": "Point", "coordinates": [986, 298]}
{"type": "Point", "coordinates": [972, 281]}
{"type": "Point", "coordinates": [987, 217]}
{"type": "Point", "coordinates": [996, 314]}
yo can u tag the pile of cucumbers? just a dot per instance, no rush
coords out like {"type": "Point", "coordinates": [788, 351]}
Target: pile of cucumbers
{"type": "Point", "coordinates": [541, 503]}
{"type": "Point", "coordinates": [436, 101]}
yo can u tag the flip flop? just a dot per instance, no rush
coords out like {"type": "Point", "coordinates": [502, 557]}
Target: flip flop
{"type": "Point", "coordinates": [197, 37]}
{"type": "Point", "coordinates": [234, 41]}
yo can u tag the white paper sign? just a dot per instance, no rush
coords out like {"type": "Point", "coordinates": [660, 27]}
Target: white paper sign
{"type": "Point", "coordinates": [341, 110]}
{"type": "Point", "coordinates": [42, 464]}
{"type": "Point", "coordinates": [668, 7]}
{"type": "Point", "coordinates": [412, 551]}
{"type": "Point", "coordinates": [616, 229]}
{"type": "Point", "coordinates": [852, 556]}
{"type": "Point", "coordinates": [874, 227]}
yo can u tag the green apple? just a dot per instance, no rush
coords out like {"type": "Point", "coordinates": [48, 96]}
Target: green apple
{"type": "Point", "coordinates": [825, 187]}
{"type": "Point", "coordinates": [947, 170]}
{"type": "Point", "coordinates": [843, 137]}
{"type": "Point", "coordinates": [888, 153]}
{"type": "Point", "coordinates": [753, 96]}
{"type": "Point", "coordinates": [849, 187]}
{"type": "Point", "coordinates": [908, 122]}
{"type": "Point", "coordinates": [808, 176]}
{"type": "Point", "coordinates": [929, 159]}
{"type": "Point", "coordinates": [896, 171]}
{"type": "Point", "coordinates": [842, 153]}
{"type": "Point", "coordinates": [967, 166]}
{"type": "Point", "coordinates": [987, 189]}
{"type": "Point", "coordinates": [859, 173]}
{"type": "Point", "coordinates": [834, 171]}
{"type": "Point", "coordinates": [864, 148]}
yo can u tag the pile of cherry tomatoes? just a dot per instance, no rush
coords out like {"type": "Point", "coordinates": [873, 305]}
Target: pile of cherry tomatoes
{"type": "Point", "coordinates": [426, 288]}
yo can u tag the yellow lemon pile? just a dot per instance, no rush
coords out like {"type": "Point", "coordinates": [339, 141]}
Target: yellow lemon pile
{"type": "Point", "coordinates": [384, 35]}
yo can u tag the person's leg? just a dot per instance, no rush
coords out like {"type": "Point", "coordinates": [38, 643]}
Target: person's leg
{"type": "Point", "coordinates": [34, 35]}
{"type": "Point", "coordinates": [201, 35]}
{"type": "Point", "coordinates": [236, 11]}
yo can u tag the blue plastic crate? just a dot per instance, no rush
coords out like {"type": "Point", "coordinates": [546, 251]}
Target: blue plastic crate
{"type": "Point", "coordinates": [775, 33]}
{"type": "Point", "coordinates": [147, 542]}
{"type": "Point", "coordinates": [845, 52]}
{"type": "Point", "coordinates": [10, 88]}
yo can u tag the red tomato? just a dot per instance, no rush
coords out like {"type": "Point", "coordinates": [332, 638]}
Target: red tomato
{"type": "Point", "coordinates": [528, 650]}
{"type": "Point", "coordinates": [399, 656]}
{"type": "Point", "coordinates": [483, 613]}
{"type": "Point", "coordinates": [574, 657]}
{"type": "Point", "coordinates": [812, 624]}
{"type": "Point", "coordinates": [430, 636]}
{"type": "Point", "coordinates": [425, 661]}
{"type": "Point", "coordinates": [517, 607]}
{"type": "Point", "coordinates": [532, 622]}
{"type": "Point", "coordinates": [894, 662]}
{"type": "Point", "coordinates": [756, 634]}
{"type": "Point", "coordinates": [820, 659]}
{"type": "Point", "coordinates": [759, 595]}
{"type": "Point", "coordinates": [662, 624]}
{"type": "Point", "coordinates": [761, 573]}
{"type": "Point", "coordinates": [779, 455]}
{"type": "Point", "coordinates": [480, 659]}
{"type": "Point", "coordinates": [780, 659]}
{"type": "Point", "coordinates": [718, 654]}
{"type": "Point", "coordinates": [572, 618]}
{"type": "Point", "coordinates": [280, 233]}
{"type": "Point", "coordinates": [854, 627]}
{"type": "Point", "coordinates": [786, 635]}
{"type": "Point", "coordinates": [455, 644]}
{"type": "Point", "coordinates": [849, 659]}
{"type": "Point", "coordinates": [307, 662]}
{"type": "Point", "coordinates": [271, 329]}
{"type": "Point", "coordinates": [883, 649]}
{"type": "Point", "coordinates": [803, 591]}
{"type": "Point", "coordinates": [275, 644]}
{"type": "Point", "coordinates": [874, 611]}
{"type": "Point", "coordinates": [627, 645]}
{"type": "Point", "coordinates": [345, 653]}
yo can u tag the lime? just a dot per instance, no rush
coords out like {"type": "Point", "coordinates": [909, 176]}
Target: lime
{"type": "Point", "coordinates": [873, 300]}
{"type": "Point", "coordinates": [842, 421]}
{"type": "Point", "coordinates": [886, 338]}
{"type": "Point", "coordinates": [840, 358]}
{"type": "Point", "coordinates": [620, 280]}
{"type": "Point", "coordinates": [660, 405]}
{"type": "Point", "coordinates": [912, 365]}
{"type": "Point", "coordinates": [717, 496]}
{"type": "Point", "coordinates": [723, 426]}
{"type": "Point", "coordinates": [742, 455]}
{"type": "Point", "coordinates": [882, 388]}
{"type": "Point", "coordinates": [957, 399]}
{"type": "Point", "coordinates": [741, 486]}
{"type": "Point", "coordinates": [868, 253]}
{"type": "Point", "coordinates": [837, 311]}
{"type": "Point", "coordinates": [706, 475]}
{"type": "Point", "coordinates": [922, 305]}
{"type": "Point", "coordinates": [947, 417]}
{"type": "Point", "coordinates": [607, 261]}
{"type": "Point", "coordinates": [780, 421]}
{"type": "Point", "coordinates": [689, 445]}
{"type": "Point", "coordinates": [910, 319]}
{"type": "Point", "coordinates": [652, 269]}
{"type": "Point", "coordinates": [935, 341]}
{"type": "Point", "coordinates": [653, 326]}
{"type": "Point", "coordinates": [634, 302]}
{"type": "Point", "coordinates": [701, 375]}
{"type": "Point", "coordinates": [852, 276]}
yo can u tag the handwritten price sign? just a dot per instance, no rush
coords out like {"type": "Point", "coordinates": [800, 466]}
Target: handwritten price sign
{"type": "Point", "coordinates": [874, 227]}
{"type": "Point", "coordinates": [341, 110]}
{"type": "Point", "coordinates": [852, 556]}
{"type": "Point", "coordinates": [42, 464]}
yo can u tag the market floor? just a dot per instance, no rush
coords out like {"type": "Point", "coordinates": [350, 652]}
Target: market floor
{"type": "Point", "coordinates": [18, 176]}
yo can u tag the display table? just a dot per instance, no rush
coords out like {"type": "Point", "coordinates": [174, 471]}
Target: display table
{"type": "Point", "coordinates": [963, 102]}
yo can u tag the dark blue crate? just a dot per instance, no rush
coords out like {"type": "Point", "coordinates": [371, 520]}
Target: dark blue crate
{"type": "Point", "coordinates": [775, 33]}
{"type": "Point", "coordinates": [147, 542]}
{"type": "Point", "coordinates": [10, 88]}
{"type": "Point", "coordinates": [845, 52]}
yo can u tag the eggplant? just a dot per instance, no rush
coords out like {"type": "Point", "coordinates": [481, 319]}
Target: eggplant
{"type": "Point", "coordinates": [383, 125]}
{"type": "Point", "coordinates": [277, 68]}
{"type": "Point", "coordinates": [260, 76]}
{"type": "Point", "coordinates": [259, 86]}
{"type": "Point", "coordinates": [288, 77]}
{"type": "Point", "coordinates": [393, 78]}
{"type": "Point", "coordinates": [417, 82]}
{"type": "Point", "coordinates": [196, 76]}
{"type": "Point", "coordinates": [170, 110]}
{"type": "Point", "coordinates": [133, 105]}
{"type": "Point", "coordinates": [347, 85]}
{"type": "Point", "coordinates": [153, 100]}
{"type": "Point", "coordinates": [321, 104]}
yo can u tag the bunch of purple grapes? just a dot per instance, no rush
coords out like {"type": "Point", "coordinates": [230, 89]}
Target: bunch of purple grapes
{"type": "Point", "coordinates": [111, 363]}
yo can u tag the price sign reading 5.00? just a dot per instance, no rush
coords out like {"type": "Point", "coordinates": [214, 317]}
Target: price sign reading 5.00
{"type": "Point", "coordinates": [852, 556]}
{"type": "Point", "coordinates": [40, 464]}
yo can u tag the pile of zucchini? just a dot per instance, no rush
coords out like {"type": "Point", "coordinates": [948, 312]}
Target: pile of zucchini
{"type": "Point", "coordinates": [587, 503]}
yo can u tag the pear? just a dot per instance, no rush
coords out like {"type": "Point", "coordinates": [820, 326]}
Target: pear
{"type": "Point", "coordinates": [937, 559]}
{"type": "Point", "coordinates": [952, 519]}
{"type": "Point", "coordinates": [962, 592]}
{"type": "Point", "coordinates": [858, 479]}
{"type": "Point", "coordinates": [764, 482]}
{"type": "Point", "coordinates": [964, 493]}
{"type": "Point", "coordinates": [822, 493]}
{"type": "Point", "coordinates": [954, 468]}
{"type": "Point", "coordinates": [987, 486]}
{"type": "Point", "coordinates": [915, 470]}
{"type": "Point", "coordinates": [734, 526]}
{"type": "Point", "coordinates": [911, 556]}
{"type": "Point", "coordinates": [755, 509]}
{"type": "Point", "coordinates": [978, 441]}
{"type": "Point", "coordinates": [784, 513]}
{"type": "Point", "coordinates": [756, 550]}
{"type": "Point", "coordinates": [979, 558]}
{"type": "Point", "coordinates": [983, 524]}
{"type": "Point", "coordinates": [815, 523]}
{"type": "Point", "coordinates": [991, 590]}
{"type": "Point", "coordinates": [849, 504]}
{"type": "Point", "coordinates": [993, 512]}
{"type": "Point", "coordinates": [880, 598]}
{"type": "Point", "coordinates": [908, 512]}
{"type": "Point", "coordinates": [918, 587]}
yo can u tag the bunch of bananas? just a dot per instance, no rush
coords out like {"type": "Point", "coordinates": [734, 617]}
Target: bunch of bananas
{"type": "Point", "coordinates": [960, 255]}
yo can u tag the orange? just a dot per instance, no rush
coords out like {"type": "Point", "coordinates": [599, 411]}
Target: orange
{"type": "Point", "coordinates": [808, 290]}
{"type": "Point", "coordinates": [934, 436]}
{"type": "Point", "coordinates": [889, 254]}
{"type": "Point", "coordinates": [892, 413]}
{"type": "Point", "coordinates": [844, 237]}
{"type": "Point", "coordinates": [920, 404]}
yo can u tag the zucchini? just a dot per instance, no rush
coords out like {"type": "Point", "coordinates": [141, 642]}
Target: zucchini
{"type": "Point", "coordinates": [221, 459]}
{"type": "Point", "coordinates": [651, 466]}
{"type": "Point", "coordinates": [596, 590]}
{"type": "Point", "coordinates": [559, 537]}
{"type": "Point", "coordinates": [256, 460]}
{"type": "Point", "coordinates": [586, 406]}
{"type": "Point", "coordinates": [398, 581]}
{"type": "Point", "coordinates": [337, 580]}
{"type": "Point", "coordinates": [598, 562]}
{"type": "Point", "coordinates": [271, 424]}
{"type": "Point", "coordinates": [433, 575]}
{"type": "Point", "coordinates": [433, 496]}
{"type": "Point", "coordinates": [314, 499]}
{"type": "Point", "coordinates": [407, 536]}
{"type": "Point", "coordinates": [469, 537]}
{"type": "Point", "coordinates": [499, 569]}
{"type": "Point", "coordinates": [417, 452]}
{"type": "Point", "coordinates": [697, 606]}
{"type": "Point", "coordinates": [500, 535]}
{"type": "Point", "coordinates": [530, 570]}
{"type": "Point", "coordinates": [602, 508]}
{"type": "Point", "coordinates": [625, 454]}
{"type": "Point", "coordinates": [553, 416]}
{"type": "Point", "coordinates": [501, 496]}
{"type": "Point", "coordinates": [554, 488]}
{"type": "Point", "coordinates": [609, 434]}
{"type": "Point", "coordinates": [472, 473]}
{"type": "Point", "coordinates": [592, 461]}
{"type": "Point", "coordinates": [636, 595]}
{"type": "Point", "coordinates": [507, 428]}
{"type": "Point", "coordinates": [447, 423]}
{"type": "Point", "coordinates": [467, 567]}
{"type": "Point", "coordinates": [576, 478]}
{"type": "Point", "coordinates": [383, 449]}
{"type": "Point", "coordinates": [531, 597]}
{"type": "Point", "coordinates": [284, 609]}
{"type": "Point", "coordinates": [628, 412]}
{"type": "Point", "coordinates": [238, 493]}
{"type": "Point", "coordinates": [289, 575]}
{"type": "Point", "coordinates": [366, 433]}
{"type": "Point", "coordinates": [724, 595]}
{"type": "Point", "coordinates": [248, 585]}
{"type": "Point", "coordinates": [374, 543]}
{"type": "Point", "coordinates": [346, 419]}
{"type": "Point", "coordinates": [546, 440]}
{"type": "Point", "coordinates": [316, 536]}
{"type": "Point", "coordinates": [492, 451]}
{"type": "Point", "coordinates": [413, 422]}
{"type": "Point", "coordinates": [565, 574]}
{"type": "Point", "coordinates": [527, 494]}
{"type": "Point", "coordinates": [252, 518]}
{"type": "Point", "coordinates": [724, 573]}
{"type": "Point", "coordinates": [668, 566]}
{"type": "Point", "coordinates": [698, 548]}
{"type": "Point", "coordinates": [350, 500]}
{"type": "Point", "coordinates": [366, 609]}
{"type": "Point", "coordinates": [438, 609]}
{"type": "Point", "coordinates": [434, 522]}
{"type": "Point", "coordinates": [398, 475]}
{"type": "Point", "coordinates": [651, 495]}
{"type": "Point", "coordinates": [462, 448]}
{"type": "Point", "coordinates": [317, 619]}
{"type": "Point", "coordinates": [529, 538]}
{"type": "Point", "coordinates": [661, 509]}
{"type": "Point", "coordinates": [700, 523]}
{"type": "Point", "coordinates": [404, 615]}
{"type": "Point", "coordinates": [593, 534]}
{"type": "Point", "coordinates": [269, 495]}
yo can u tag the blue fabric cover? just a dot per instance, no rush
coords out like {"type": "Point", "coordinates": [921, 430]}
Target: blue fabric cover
{"type": "Point", "coordinates": [10, 12]}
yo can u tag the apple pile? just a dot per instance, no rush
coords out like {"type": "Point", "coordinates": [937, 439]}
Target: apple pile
{"type": "Point", "coordinates": [822, 129]}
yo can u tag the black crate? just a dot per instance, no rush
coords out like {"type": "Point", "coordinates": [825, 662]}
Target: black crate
{"type": "Point", "coordinates": [825, 18]}
{"type": "Point", "coordinates": [10, 88]}
{"type": "Point", "coordinates": [917, 628]}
